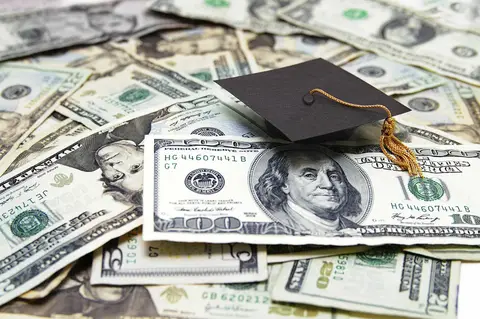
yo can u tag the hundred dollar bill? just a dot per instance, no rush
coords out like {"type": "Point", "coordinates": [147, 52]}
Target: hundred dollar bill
{"type": "Point", "coordinates": [73, 200]}
{"type": "Point", "coordinates": [379, 281]}
{"type": "Point", "coordinates": [269, 192]}
{"type": "Point", "coordinates": [29, 95]}
{"type": "Point", "coordinates": [275, 51]}
{"type": "Point", "coordinates": [30, 32]}
{"type": "Point", "coordinates": [129, 260]}
{"type": "Point", "coordinates": [136, 87]}
{"type": "Point", "coordinates": [392, 77]}
{"type": "Point", "coordinates": [453, 108]}
{"type": "Point", "coordinates": [255, 15]}
{"type": "Point", "coordinates": [459, 14]}
{"type": "Point", "coordinates": [207, 67]}
{"type": "Point", "coordinates": [197, 41]}
{"type": "Point", "coordinates": [392, 32]}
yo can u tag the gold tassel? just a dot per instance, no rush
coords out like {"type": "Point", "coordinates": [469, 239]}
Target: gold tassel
{"type": "Point", "coordinates": [397, 152]}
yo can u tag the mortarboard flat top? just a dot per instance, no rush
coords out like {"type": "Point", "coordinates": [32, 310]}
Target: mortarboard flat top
{"type": "Point", "coordinates": [277, 96]}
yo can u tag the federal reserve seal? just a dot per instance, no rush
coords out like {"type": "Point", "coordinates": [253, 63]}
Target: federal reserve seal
{"type": "Point", "coordinates": [423, 104]}
{"type": "Point", "coordinates": [16, 92]}
{"type": "Point", "coordinates": [425, 189]}
{"type": "Point", "coordinates": [134, 95]}
{"type": "Point", "coordinates": [207, 131]}
{"type": "Point", "coordinates": [204, 181]}
{"type": "Point", "coordinates": [372, 71]}
{"type": "Point", "coordinates": [464, 52]}
{"type": "Point", "coordinates": [29, 223]}
{"type": "Point", "coordinates": [379, 257]}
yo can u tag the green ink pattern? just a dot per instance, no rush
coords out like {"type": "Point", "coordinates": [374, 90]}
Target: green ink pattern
{"type": "Point", "coordinates": [217, 3]}
{"type": "Point", "coordinates": [134, 95]}
{"type": "Point", "coordinates": [29, 223]}
{"type": "Point", "coordinates": [203, 76]}
{"type": "Point", "coordinates": [355, 14]}
{"type": "Point", "coordinates": [377, 258]}
{"type": "Point", "coordinates": [425, 189]}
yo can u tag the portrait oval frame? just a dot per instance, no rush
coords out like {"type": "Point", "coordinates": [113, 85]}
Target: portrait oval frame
{"type": "Point", "coordinates": [356, 176]}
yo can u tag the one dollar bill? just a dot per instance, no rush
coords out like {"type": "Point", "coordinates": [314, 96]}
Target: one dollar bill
{"type": "Point", "coordinates": [255, 15]}
{"type": "Point", "coordinates": [269, 192]}
{"type": "Point", "coordinates": [391, 77]}
{"type": "Point", "coordinates": [392, 32]}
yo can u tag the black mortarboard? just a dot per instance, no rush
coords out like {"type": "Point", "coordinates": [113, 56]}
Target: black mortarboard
{"type": "Point", "coordinates": [279, 96]}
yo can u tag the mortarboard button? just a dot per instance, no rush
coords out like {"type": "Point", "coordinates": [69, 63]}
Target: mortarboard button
{"type": "Point", "coordinates": [308, 98]}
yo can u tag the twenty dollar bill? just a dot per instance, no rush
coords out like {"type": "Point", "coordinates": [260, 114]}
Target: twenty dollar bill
{"type": "Point", "coordinates": [392, 32]}
{"type": "Point", "coordinates": [379, 281]}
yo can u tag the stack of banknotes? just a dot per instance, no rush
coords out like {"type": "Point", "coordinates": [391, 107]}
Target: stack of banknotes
{"type": "Point", "coordinates": [133, 186]}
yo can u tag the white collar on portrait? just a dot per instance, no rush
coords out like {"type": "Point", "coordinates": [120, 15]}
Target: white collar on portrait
{"type": "Point", "coordinates": [329, 225]}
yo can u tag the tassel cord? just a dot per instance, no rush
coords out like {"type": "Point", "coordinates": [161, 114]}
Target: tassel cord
{"type": "Point", "coordinates": [397, 152]}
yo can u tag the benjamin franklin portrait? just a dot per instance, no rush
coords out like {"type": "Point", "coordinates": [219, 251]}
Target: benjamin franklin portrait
{"type": "Point", "coordinates": [309, 191]}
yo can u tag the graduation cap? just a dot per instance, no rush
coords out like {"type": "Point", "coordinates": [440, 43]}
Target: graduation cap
{"type": "Point", "coordinates": [317, 99]}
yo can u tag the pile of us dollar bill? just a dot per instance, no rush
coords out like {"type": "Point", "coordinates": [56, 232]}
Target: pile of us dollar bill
{"type": "Point", "coordinates": [133, 186]}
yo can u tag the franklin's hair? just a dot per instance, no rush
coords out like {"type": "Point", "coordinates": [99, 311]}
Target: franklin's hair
{"type": "Point", "coordinates": [425, 33]}
{"type": "Point", "coordinates": [269, 186]}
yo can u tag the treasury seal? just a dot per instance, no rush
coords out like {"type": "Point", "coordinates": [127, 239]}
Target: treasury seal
{"type": "Point", "coordinates": [203, 76]}
{"type": "Point", "coordinates": [425, 189]}
{"type": "Point", "coordinates": [29, 223]}
{"type": "Point", "coordinates": [204, 181]}
{"type": "Point", "coordinates": [16, 92]}
{"type": "Point", "coordinates": [134, 95]}
{"type": "Point", "coordinates": [423, 104]}
{"type": "Point", "coordinates": [207, 131]}
{"type": "Point", "coordinates": [242, 285]}
{"type": "Point", "coordinates": [377, 257]}
{"type": "Point", "coordinates": [217, 3]}
{"type": "Point", "coordinates": [372, 71]}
